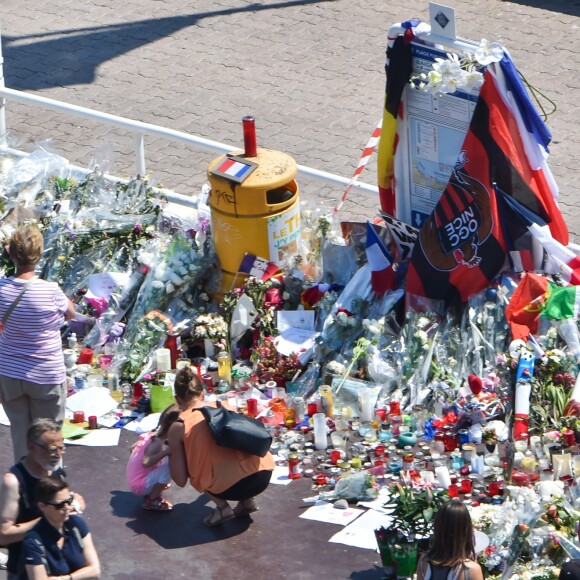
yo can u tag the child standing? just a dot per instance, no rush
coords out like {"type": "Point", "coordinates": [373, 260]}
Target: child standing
{"type": "Point", "coordinates": [148, 467]}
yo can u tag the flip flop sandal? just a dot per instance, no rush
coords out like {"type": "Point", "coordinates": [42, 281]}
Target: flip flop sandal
{"type": "Point", "coordinates": [245, 511]}
{"type": "Point", "coordinates": [158, 505]}
{"type": "Point", "coordinates": [210, 522]}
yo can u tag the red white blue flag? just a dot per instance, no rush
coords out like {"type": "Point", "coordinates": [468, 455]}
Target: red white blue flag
{"type": "Point", "coordinates": [258, 267]}
{"type": "Point", "coordinates": [383, 276]}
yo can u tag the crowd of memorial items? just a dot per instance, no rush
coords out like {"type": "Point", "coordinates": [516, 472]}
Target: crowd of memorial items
{"type": "Point", "coordinates": [393, 366]}
{"type": "Point", "coordinates": [362, 392]}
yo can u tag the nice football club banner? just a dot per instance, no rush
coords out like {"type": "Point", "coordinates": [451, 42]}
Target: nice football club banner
{"type": "Point", "coordinates": [464, 242]}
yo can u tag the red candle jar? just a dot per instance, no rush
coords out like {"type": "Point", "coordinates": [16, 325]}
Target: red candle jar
{"type": "Point", "coordinates": [466, 486]}
{"type": "Point", "coordinates": [207, 383]}
{"type": "Point", "coordinates": [493, 488]}
{"type": "Point", "coordinates": [252, 407]}
{"type": "Point", "coordinates": [334, 456]}
{"type": "Point", "coordinates": [450, 441]}
{"type": "Point", "coordinates": [394, 408]}
{"type": "Point", "coordinates": [379, 450]}
{"type": "Point", "coordinates": [569, 439]}
{"type": "Point", "coordinates": [312, 409]}
{"type": "Point", "coordinates": [93, 422]}
{"type": "Point", "coordinates": [293, 462]}
{"type": "Point", "coordinates": [520, 478]}
{"type": "Point", "coordinates": [137, 392]}
{"type": "Point", "coordinates": [321, 479]}
{"type": "Point", "coordinates": [453, 491]}
{"type": "Point", "coordinates": [78, 417]}
{"type": "Point", "coordinates": [381, 414]}
{"type": "Point", "coordinates": [86, 357]}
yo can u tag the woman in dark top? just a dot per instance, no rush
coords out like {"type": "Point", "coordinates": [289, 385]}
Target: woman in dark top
{"type": "Point", "coordinates": [452, 553]}
{"type": "Point", "coordinates": [60, 544]}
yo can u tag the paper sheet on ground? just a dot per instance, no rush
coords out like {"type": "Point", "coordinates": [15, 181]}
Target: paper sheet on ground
{"type": "Point", "coordinates": [92, 401]}
{"type": "Point", "coordinates": [280, 475]}
{"type": "Point", "coordinates": [361, 533]}
{"type": "Point", "coordinates": [323, 511]}
{"type": "Point", "coordinates": [3, 417]}
{"type": "Point", "coordinates": [143, 423]}
{"type": "Point", "coordinates": [97, 438]}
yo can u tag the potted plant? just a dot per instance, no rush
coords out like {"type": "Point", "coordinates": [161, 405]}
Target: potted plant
{"type": "Point", "coordinates": [413, 510]}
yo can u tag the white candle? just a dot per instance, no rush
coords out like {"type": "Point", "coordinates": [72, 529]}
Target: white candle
{"type": "Point", "coordinates": [364, 401]}
{"type": "Point", "coordinates": [209, 348]}
{"type": "Point", "coordinates": [320, 440]}
{"type": "Point", "coordinates": [163, 359]}
{"type": "Point", "coordinates": [562, 465]}
{"type": "Point", "coordinates": [443, 476]}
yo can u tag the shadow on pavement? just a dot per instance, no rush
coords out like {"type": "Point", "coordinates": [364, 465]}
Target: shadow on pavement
{"type": "Point", "coordinates": [72, 56]}
{"type": "Point", "coordinates": [571, 7]}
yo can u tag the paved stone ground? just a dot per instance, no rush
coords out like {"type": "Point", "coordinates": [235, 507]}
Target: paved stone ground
{"type": "Point", "coordinates": [310, 71]}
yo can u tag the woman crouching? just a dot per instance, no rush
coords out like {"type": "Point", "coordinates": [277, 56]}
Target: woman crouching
{"type": "Point", "coordinates": [222, 473]}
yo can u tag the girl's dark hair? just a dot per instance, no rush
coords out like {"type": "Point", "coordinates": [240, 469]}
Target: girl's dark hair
{"type": "Point", "coordinates": [187, 384]}
{"type": "Point", "coordinates": [168, 417]}
{"type": "Point", "coordinates": [452, 542]}
{"type": "Point", "coordinates": [47, 488]}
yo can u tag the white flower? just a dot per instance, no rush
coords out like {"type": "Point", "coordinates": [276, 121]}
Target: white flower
{"type": "Point", "coordinates": [157, 284]}
{"type": "Point", "coordinates": [169, 288]}
{"type": "Point", "coordinates": [472, 79]}
{"type": "Point", "coordinates": [488, 52]}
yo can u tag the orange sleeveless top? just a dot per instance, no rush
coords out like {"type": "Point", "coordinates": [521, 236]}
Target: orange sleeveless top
{"type": "Point", "coordinates": [211, 467]}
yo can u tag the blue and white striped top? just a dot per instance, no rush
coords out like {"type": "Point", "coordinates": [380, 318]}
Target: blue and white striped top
{"type": "Point", "coordinates": [30, 342]}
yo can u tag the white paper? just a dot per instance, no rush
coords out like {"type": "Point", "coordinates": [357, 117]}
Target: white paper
{"type": "Point", "coordinates": [280, 475]}
{"type": "Point", "coordinates": [296, 319]}
{"type": "Point", "coordinates": [295, 340]}
{"type": "Point", "coordinates": [361, 533]}
{"type": "Point", "coordinates": [97, 438]}
{"type": "Point", "coordinates": [3, 417]}
{"type": "Point", "coordinates": [323, 511]}
{"type": "Point", "coordinates": [92, 401]}
{"type": "Point", "coordinates": [103, 284]}
{"type": "Point", "coordinates": [143, 423]}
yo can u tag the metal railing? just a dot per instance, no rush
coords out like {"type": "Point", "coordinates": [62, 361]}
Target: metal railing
{"type": "Point", "coordinates": [139, 130]}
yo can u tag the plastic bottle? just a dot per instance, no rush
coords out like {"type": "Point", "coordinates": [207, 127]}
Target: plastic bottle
{"type": "Point", "coordinates": [72, 341]}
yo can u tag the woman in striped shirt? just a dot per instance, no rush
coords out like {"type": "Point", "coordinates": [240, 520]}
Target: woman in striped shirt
{"type": "Point", "coordinates": [32, 369]}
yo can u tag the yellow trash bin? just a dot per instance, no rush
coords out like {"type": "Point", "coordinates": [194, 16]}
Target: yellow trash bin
{"type": "Point", "coordinates": [260, 216]}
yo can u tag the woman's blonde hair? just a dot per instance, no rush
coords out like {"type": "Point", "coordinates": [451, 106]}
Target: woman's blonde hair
{"type": "Point", "coordinates": [26, 246]}
{"type": "Point", "coordinates": [187, 384]}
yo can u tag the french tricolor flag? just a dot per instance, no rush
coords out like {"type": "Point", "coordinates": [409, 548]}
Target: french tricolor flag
{"type": "Point", "coordinates": [233, 168]}
{"type": "Point", "coordinates": [383, 276]}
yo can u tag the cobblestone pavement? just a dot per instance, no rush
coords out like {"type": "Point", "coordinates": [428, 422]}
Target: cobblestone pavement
{"type": "Point", "coordinates": [310, 71]}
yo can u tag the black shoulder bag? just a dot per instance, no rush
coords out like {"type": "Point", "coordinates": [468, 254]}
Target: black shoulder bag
{"type": "Point", "coordinates": [236, 431]}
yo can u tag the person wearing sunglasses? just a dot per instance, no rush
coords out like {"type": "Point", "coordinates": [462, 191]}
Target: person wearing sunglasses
{"type": "Point", "coordinates": [60, 544]}
{"type": "Point", "coordinates": [19, 511]}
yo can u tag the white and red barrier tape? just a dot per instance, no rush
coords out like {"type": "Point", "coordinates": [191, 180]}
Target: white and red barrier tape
{"type": "Point", "coordinates": [364, 159]}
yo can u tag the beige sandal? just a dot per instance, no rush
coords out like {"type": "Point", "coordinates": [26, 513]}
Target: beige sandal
{"type": "Point", "coordinates": [242, 510]}
{"type": "Point", "coordinates": [211, 521]}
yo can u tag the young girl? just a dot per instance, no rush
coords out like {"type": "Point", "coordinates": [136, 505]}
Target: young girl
{"type": "Point", "coordinates": [148, 467]}
{"type": "Point", "coordinates": [452, 552]}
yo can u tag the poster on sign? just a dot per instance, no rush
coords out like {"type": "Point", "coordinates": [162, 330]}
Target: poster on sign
{"type": "Point", "coordinates": [284, 235]}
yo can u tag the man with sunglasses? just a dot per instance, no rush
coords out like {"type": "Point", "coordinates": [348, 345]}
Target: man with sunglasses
{"type": "Point", "coordinates": [19, 512]}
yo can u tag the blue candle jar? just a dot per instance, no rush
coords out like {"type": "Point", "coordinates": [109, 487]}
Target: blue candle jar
{"type": "Point", "coordinates": [406, 438]}
{"type": "Point", "coordinates": [395, 464]}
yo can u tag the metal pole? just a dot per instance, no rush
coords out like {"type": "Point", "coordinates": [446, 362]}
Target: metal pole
{"type": "Point", "coordinates": [140, 154]}
{"type": "Point", "coordinates": [2, 99]}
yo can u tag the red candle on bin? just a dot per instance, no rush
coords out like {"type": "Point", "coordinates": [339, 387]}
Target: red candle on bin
{"type": "Point", "coordinates": [249, 128]}
{"type": "Point", "coordinates": [453, 491]}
